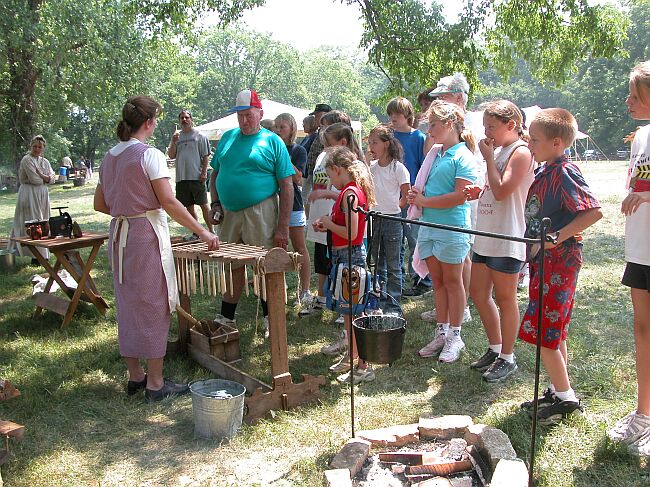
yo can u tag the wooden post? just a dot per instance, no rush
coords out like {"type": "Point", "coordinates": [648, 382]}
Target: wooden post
{"type": "Point", "coordinates": [277, 323]}
{"type": "Point", "coordinates": [183, 324]}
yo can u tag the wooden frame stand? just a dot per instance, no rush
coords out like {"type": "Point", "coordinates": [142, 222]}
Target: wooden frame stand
{"type": "Point", "coordinates": [283, 394]}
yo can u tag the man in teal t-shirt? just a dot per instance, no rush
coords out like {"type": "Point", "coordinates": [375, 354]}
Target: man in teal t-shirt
{"type": "Point", "coordinates": [251, 188]}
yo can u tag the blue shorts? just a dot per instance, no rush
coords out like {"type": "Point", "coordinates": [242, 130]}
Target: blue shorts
{"type": "Point", "coordinates": [298, 219]}
{"type": "Point", "coordinates": [507, 265]}
{"type": "Point", "coordinates": [448, 251]}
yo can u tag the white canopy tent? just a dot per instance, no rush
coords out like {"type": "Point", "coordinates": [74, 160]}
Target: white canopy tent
{"type": "Point", "coordinates": [213, 130]}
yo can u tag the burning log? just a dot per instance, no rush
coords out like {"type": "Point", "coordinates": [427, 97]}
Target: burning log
{"type": "Point", "coordinates": [410, 458]}
{"type": "Point", "coordinates": [441, 468]}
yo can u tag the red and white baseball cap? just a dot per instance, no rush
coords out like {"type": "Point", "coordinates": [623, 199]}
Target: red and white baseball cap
{"type": "Point", "coordinates": [246, 99]}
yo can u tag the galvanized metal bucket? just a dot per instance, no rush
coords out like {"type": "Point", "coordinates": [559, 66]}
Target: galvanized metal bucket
{"type": "Point", "coordinates": [218, 408]}
{"type": "Point", "coordinates": [7, 260]}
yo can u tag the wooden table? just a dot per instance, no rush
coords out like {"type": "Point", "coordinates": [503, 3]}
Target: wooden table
{"type": "Point", "coordinates": [66, 251]}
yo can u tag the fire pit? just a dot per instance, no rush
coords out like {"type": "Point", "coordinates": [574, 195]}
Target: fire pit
{"type": "Point", "coordinates": [441, 451]}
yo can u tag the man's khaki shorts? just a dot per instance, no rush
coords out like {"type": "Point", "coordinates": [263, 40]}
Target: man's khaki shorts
{"type": "Point", "coordinates": [254, 225]}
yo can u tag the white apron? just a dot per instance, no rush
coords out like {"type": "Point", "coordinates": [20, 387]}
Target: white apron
{"type": "Point", "coordinates": [158, 220]}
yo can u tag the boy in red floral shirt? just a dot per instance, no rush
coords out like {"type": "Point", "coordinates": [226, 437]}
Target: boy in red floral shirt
{"type": "Point", "coordinates": [559, 192]}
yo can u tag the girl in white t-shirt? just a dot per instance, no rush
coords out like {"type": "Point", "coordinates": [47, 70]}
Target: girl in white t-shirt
{"type": "Point", "coordinates": [392, 183]}
{"type": "Point", "coordinates": [496, 263]}
{"type": "Point", "coordinates": [634, 429]}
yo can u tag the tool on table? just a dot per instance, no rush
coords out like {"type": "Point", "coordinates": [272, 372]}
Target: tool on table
{"type": "Point", "coordinates": [62, 223]}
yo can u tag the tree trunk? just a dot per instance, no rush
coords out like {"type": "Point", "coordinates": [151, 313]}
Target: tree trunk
{"type": "Point", "coordinates": [23, 76]}
{"type": "Point", "coordinates": [23, 112]}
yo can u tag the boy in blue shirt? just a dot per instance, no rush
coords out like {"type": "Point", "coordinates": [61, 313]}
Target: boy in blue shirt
{"type": "Point", "coordinates": [559, 192]}
{"type": "Point", "coordinates": [402, 118]}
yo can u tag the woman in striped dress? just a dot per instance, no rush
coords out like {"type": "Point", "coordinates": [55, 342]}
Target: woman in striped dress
{"type": "Point", "coordinates": [134, 189]}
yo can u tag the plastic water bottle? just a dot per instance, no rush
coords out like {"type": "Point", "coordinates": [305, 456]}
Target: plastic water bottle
{"type": "Point", "coordinates": [372, 308]}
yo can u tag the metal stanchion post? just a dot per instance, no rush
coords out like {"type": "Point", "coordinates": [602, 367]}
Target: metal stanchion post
{"type": "Point", "coordinates": [546, 224]}
{"type": "Point", "coordinates": [351, 199]}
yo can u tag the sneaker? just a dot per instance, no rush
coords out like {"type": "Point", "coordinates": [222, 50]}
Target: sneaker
{"type": "Point", "coordinates": [342, 365]}
{"type": "Point", "coordinates": [435, 346]}
{"type": "Point", "coordinates": [306, 303]}
{"type": "Point", "coordinates": [416, 291]}
{"type": "Point", "coordinates": [168, 389]}
{"type": "Point", "coordinates": [485, 361]}
{"type": "Point", "coordinates": [337, 347]}
{"type": "Point", "coordinates": [546, 399]}
{"type": "Point", "coordinates": [318, 303]}
{"type": "Point", "coordinates": [430, 315]}
{"type": "Point", "coordinates": [629, 429]}
{"type": "Point", "coordinates": [360, 375]}
{"type": "Point", "coordinates": [451, 350]}
{"type": "Point", "coordinates": [190, 238]}
{"type": "Point", "coordinates": [499, 370]}
{"type": "Point", "coordinates": [266, 327]}
{"type": "Point", "coordinates": [134, 386]}
{"type": "Point", "coordinates": [340, 320]}
{"type": "Point", "coordinates": [641, 447]}
{"type": "Point", "coordinates": [556, 412]}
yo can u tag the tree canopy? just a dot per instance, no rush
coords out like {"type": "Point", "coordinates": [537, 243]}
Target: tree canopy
{"type": "Point", "coordinates": [414, 45]}
{"type": "Point", "coordinates": [67, 66]}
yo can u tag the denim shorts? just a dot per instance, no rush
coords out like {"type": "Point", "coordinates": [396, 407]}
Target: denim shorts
{"type": "Point", "coordinates": [507, 265]}
{"type": "Point", "coordinates": [451, 251]}
{"type": "Point", "coordinates": [298, 219]}
{"type": "Point", "coordinates": [340, 256]}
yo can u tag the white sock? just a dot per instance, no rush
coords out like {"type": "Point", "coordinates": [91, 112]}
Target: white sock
{"type": "Point", "coordinates": [454, 331]}
{"type": "Point", "coordinates": [496, 348]}
{"type": "Point", "coordinates": [551, 388]}
{"type": "Point", "coordinates": [568, 395]}
{"type": "Point", "coordinates": [508, 357]}
{"type": "Point", "coordinates": [444, 327]}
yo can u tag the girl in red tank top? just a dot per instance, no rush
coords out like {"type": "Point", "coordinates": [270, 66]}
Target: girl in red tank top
{"type": "Point", "coordinates": [351, 177]}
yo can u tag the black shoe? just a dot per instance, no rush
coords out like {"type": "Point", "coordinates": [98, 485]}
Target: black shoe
{"type": "Point", "coordinates": [499, 370]}
{"type": "Point", "coordinates": [557, 411]}
{"type": "Point", "coordinates": [416, 291]}
{"type": "Point", "coordinates": [545, 400]}
{"type": "Point", "coordinates": [134, 386]}
{"type": "Point", "coordinates": [485, 361]}
{"type": "Point", "coordinates": [410, 292]}
{"type": "Point", "coordinates": [168, 389]}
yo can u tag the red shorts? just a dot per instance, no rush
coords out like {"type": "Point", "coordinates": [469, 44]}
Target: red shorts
{"type": "Point", "coordinates": [559, 293]}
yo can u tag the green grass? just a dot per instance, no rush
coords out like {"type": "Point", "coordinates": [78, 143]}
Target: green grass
{"type": "Point", "coordinates": [82, 429]}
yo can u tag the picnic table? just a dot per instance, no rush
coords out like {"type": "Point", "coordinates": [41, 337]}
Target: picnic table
{"type": "Point", "coordinates": [66, 251]}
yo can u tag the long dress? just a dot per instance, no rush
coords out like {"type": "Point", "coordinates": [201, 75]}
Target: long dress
{"type": "Point", "coordinates": [143, 311]}
{"type": "Point", "coordinates": [33, 201]}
